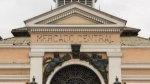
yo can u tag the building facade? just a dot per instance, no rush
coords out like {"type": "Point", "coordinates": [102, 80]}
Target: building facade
{"type": "Point", "coordinates": [75, 44]}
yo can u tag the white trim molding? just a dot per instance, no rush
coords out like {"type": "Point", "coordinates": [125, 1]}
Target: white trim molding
{"type": "Point", "coordinates": [14, 77]}
{"type": "Point", "coordinates": [136, 77]}
{"type": "Point", "coordinates": [14, 66]}
{"type": "Point", "coordinates": [135, 65]}
{"type": "Point", "coordinates": [13, 46]}
{"type": "Point", "coordinates": [41, 48]}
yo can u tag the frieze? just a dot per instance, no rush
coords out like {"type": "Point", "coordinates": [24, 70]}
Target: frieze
{"type": "Point", "coordinates": [83, 38]}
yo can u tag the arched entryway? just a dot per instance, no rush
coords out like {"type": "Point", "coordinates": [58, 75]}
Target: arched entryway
{"type": "Point", "coordinates": [75, 74]}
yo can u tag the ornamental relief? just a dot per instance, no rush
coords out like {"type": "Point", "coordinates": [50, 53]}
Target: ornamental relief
{"type": "Point", "coordinates": [97, 61]}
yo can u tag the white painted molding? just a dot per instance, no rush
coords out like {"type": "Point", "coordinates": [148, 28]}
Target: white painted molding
{"type": "Point", "coordinates": [14, 66]}
{"type": "Point", "coordinates": [137, 46]}
{"type": "Point", "coordinates": [12, 46]}
{"type": "Point", "coordinates": [114, 54]}
{"type": "Point", "coordinates": [36, 54]}
{"type": "Point", "coordinates": [67, 48]}
{"type": "Point", "coordinates": [135, 65]}
{"type": "Point", "coordinates": [14, 77]}
{"type": "Point", "coordinates": [136, 77]}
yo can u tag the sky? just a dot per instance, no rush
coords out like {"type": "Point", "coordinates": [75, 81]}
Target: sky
{"type": "Point", "coordinates": [13, 13]}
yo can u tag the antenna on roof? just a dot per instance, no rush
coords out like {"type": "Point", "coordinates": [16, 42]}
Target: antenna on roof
{"type": "Point", "coordinates": [99, 4]}
{"type": "Point", "coordinates": [51, 7]}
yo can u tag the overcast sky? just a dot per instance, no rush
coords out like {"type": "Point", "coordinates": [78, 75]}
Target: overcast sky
{"type": "Point", "coordinates": [14, 12]}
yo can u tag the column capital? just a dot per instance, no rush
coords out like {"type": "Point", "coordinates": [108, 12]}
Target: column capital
{"type": "Point", "coordinates": [114, 54]}
{"type": "Point", "coordinates": [36, 54]}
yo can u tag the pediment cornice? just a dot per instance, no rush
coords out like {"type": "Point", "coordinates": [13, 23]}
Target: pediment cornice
{"type": "Point", "coordinates": [72, 8]}
{"type": "Point", "coordinates": [75, 11]}
{"type": "Point", "coordinates": [75, 28]}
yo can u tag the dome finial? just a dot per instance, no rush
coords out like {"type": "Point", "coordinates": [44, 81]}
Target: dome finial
{"type": "Point", "coordinates": [33, 79]}
{"type": "Point", "coordinates": [116, 78]}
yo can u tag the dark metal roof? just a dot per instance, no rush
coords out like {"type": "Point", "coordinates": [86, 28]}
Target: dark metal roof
{"type": "Point", "coordinates": [19, 32]}
{"type": "Point", "coordinates": [16, 41]}
{"type": "Point", "coordinates": [129, 31]}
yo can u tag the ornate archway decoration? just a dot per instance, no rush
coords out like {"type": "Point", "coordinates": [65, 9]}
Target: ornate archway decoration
{"type": "Point", "coordinates": [52, 63]}
{"type": "Point", "coordinates": [75, 74]}
{"type": "Point", "coordinates": [97, 62]}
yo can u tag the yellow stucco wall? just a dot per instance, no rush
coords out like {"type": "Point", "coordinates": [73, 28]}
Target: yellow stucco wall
{"type": "Point", "coordinates": [14, 55]}
{"type": "Point", "coordinates": [14, 81]}
{"type": "Point", "coordinates": [136, 55]}
{"type": "Point", "coordinates": [135, 71]}
{"type": "Point", "coordinates": [14, 71]}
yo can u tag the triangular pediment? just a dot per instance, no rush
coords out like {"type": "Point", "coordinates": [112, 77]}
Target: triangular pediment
{"type": "Point", "coordinates": [74, 20]}
{"type": "Point", "coordinates": [76, 14]}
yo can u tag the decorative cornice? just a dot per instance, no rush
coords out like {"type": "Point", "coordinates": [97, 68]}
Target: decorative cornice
{"type": "Point", "coordinates": [75, 11]}
{"type": "Point", "coordinates": [135, 65]}
{"type": "Point", "coordinates": [14, 77]}
{"type": "Point", "coordinates": [135, 77]}
{"type": "Point", "coordinates": [14, 66]}
{"type": "Point", "coordinates": [75, 30]}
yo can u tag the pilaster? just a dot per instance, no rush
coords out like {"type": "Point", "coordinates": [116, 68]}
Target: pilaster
{"type": "Point", "coordinates": [114, 66]}
{"type": "Point", "coordinates": [36, 62]}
